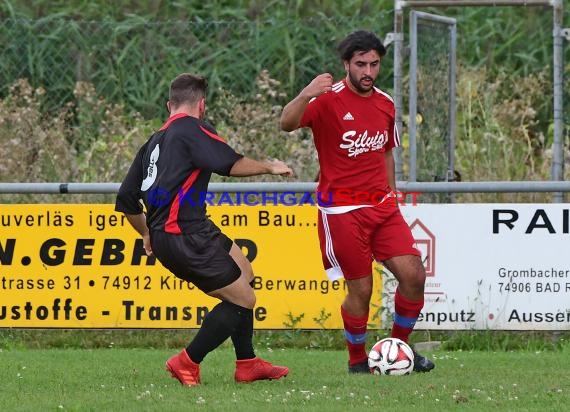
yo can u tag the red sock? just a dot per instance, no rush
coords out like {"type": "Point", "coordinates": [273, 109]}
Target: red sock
{"type": "Point", "coordinates": [406, 314]}
{"type": "Point", "coordinates": [355, 334]}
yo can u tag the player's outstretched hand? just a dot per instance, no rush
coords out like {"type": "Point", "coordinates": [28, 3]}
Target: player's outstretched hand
{"type": "Point", "coordinates": [277, 167]}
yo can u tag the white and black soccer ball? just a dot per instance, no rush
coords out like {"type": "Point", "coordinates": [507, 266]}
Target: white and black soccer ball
{"type": "Point", "coordinates": [391, 356]}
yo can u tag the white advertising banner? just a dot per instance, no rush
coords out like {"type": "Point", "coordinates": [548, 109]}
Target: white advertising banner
{"type": "Point", "coordinates": [494, 266]}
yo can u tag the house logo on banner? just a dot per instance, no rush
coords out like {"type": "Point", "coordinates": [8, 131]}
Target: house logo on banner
{"type": "Point", "coordinates": [425, 243]}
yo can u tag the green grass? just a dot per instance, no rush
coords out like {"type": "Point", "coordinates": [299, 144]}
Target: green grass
{"type": "Point", "coordinates": [135, 380]}
{"type": "Point", "coordinates": [324, 339]}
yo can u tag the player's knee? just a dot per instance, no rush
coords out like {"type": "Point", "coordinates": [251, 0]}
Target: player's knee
{"type": "Point", "coordinates": [366, 295]}
{"type": "Point", "coordinates": [417, 283]}
{"type": "Point", "coordinates": [421, 276]}
{"type": "Point", "coordinates": [413, 282]}
{"type": "Point", "coordinates": [417, 275]}
{"type": "Point", "coordinates": [417, 279]}
{"type": "Point", "coordinates": [361, 295]}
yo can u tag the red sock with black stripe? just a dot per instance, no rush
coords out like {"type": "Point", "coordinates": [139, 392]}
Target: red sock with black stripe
{"type": "Point", "coordinates": [406, 313]}
{"type": "Point", "coordinates": [355, 335]}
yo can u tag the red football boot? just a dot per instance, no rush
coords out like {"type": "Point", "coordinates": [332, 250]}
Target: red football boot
{"type": "Point", "coordinates": [182, 368]}
{"type": "Point", "coordinates": [249, 370]}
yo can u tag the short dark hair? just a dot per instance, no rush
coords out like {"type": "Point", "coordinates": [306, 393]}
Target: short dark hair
{"type": "Point", "coordinates": [360, 41]}
{"type": "Point", "coordinates": [187, 88]}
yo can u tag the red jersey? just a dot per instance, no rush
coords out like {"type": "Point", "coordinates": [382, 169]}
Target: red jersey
{"type": "Point", "coordinates": [351, 135]}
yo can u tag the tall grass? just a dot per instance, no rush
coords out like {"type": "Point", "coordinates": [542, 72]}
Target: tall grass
{"type": "Point", "coordinates": [499, 134]}
{"type": "Point", "coordinates": [132, 61]}
{"type": "Point", "coordinates": [130, 55]}
{"type": "Point", "coordinates": [87, 140]}
{"type": "Point", "coordinates": [93, 140]}
{"type": "Point", "coordinates": [84, 90]}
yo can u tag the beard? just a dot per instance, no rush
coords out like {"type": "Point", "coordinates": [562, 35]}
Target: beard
{"type": "Point", "coordinates": [357, 83]}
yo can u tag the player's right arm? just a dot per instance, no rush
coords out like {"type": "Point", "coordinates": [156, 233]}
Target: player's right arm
{"type": "Point", "coordinates": [250, 167]}
{"type": "Point", "coordinates": [129, 195]}
{"type": "Point", "coordinates": [138, 222]}
{"type": "Point", "coordinates": [128, 199]}
{"type": "Point", "coordinates": [212, 153]}
{"type": "Point", "coordinates": [293, 111]}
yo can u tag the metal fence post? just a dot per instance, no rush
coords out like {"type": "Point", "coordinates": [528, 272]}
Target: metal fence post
{"type": "Point", "coordinates": [398, 82]}
{"type": "Point", "coordinates": [558, 83]}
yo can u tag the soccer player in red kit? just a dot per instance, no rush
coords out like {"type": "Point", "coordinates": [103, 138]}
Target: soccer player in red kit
{"type": "Point", "coordinates": [353, 125]}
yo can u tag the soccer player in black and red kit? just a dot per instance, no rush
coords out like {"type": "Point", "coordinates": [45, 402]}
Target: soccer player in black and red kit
{"type": "Point", "coordinates": [354, 131]}
{"type": "Point", "coordinates": [169, 175]}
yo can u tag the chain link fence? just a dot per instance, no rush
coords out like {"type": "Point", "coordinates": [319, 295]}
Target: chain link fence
{"type": "Point", "coordinates": [133, 61]}
{"type": "Point", "coordinates": [433, 91]}
{"type": "Point", "coordinates": [432, 100]}
{"type": "Point", "coordinates": [566, 97]}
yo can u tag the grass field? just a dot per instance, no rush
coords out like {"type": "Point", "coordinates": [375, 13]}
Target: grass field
{"type": "Point", "coordinates": [116, 379]}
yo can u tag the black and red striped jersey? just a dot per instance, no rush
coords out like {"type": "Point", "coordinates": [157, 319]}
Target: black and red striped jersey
{"type": "Point", "coordinates": [171, 172]}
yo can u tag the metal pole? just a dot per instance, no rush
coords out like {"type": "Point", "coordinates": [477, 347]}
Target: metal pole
{"type": "Point", "coordinates": [450, 3]}
{"type": "Point", "coordinates": [413, 99]}
{"type": "Point", "coordinates": [452, 106]}
{"type": "Point", "coordinates": [297, 187]}
{"type": "Point", "coordinates": [558, 81]}
{"type": "Point", "coordinates": [398, 82]}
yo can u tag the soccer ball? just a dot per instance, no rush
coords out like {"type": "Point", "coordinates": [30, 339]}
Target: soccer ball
{"type": "Point", "coordinates": [391, 356]}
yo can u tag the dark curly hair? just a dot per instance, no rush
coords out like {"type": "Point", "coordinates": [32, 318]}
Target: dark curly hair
{"type": "Point", "coordinates": [360, 41]}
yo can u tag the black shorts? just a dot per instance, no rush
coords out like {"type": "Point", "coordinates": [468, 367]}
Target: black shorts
{"type": "Point", "coordinates": [201, 257]}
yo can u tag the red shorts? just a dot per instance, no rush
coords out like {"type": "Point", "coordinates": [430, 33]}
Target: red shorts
{"type": "Point", "coordinates": [350, 241]}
